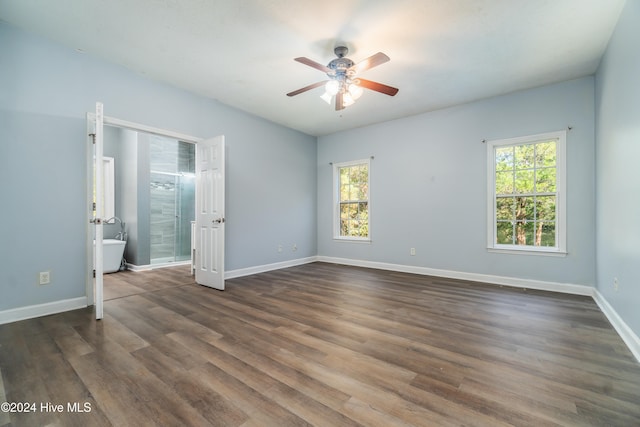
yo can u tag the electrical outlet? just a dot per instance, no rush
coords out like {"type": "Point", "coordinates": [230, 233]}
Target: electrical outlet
{"type": "Point", "coordinates": [279, 248]}
{"type": "Point", "coordinates": [412, 251]}
{"type": "Point", "coordinates": [44, 277]}
{"type": "Point", "coordinates": [615, 284]}
{"type": "Point", "coordinates": [294, 247]}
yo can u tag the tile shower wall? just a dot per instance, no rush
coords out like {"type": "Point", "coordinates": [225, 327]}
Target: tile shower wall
{"type": "Point", "coordinates": [172, 191]}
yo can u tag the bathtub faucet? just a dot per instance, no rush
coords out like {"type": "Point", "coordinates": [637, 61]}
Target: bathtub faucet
{"type": "Point", "coordinates": [121, 235]}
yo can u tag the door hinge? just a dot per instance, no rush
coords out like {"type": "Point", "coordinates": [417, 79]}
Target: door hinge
{"type": "Point", "coordinates": [93, 138]}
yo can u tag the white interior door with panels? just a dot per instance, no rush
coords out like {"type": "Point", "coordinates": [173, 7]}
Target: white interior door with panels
{"type": "Point", "coordinates": [210, 220]}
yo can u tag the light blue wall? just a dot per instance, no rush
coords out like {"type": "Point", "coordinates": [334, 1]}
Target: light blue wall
{"type": "Point", "coordinates": [618, 168]}
{"type": "Point", "coordinates": [46, 90]}
{"type": "Point", "coordinates": [428, 184]}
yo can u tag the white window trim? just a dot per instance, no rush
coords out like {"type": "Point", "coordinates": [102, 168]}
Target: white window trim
{"type": "Point", "coordinates": [561, 217]}
{"type": "Point", "coordinates": [336, 202]}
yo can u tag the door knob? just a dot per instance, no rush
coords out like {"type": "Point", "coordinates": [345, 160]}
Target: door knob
{"type": "Point", "coordinates": [218, 221]}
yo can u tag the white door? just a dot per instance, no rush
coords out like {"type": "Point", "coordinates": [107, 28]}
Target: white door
{"type": "Point", "coordinates": [98, 178]}
{"type": "Point", "coordinates": [210, 222]}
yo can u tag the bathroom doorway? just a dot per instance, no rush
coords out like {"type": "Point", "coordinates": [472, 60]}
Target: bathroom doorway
{"type": "Point", "coordinates": [207, 256]}
{"type": "Point", "coordinates": [155, 196]}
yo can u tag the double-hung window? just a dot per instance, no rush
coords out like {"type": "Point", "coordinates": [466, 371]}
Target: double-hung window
{"type": "Point", "coordinates": [526, 194]}
{"type": "Point", "coordinates": [351, 200]}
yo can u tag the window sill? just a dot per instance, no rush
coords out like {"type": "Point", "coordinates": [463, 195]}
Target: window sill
{"type": "Point", "coordinates": [527, 251]}
{"type": "Point", "coordinates": [351, 240]}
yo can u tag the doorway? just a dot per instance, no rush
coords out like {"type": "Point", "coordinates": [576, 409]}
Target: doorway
{"type": "Point", "coordinates": [208, 253]}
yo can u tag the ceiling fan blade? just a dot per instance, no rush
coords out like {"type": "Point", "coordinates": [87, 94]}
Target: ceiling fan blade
{"type": "Point", "coordinates": [370, 62]}
{"type": "Point", "coordinates": [378, 87]}
{"type": "Point", "coordinates": [339, 101]}
{"type": "Point", "coordinates": [306, 88]}
{"type": "Point", "coordinates": [313, 64]}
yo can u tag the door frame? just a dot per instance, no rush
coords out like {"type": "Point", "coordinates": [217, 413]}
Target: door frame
{"type": "Point", "coordinates": [124, 124]}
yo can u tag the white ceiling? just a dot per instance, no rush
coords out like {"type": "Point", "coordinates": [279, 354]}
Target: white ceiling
{"type": "Point", "coordinates": [240, 52]}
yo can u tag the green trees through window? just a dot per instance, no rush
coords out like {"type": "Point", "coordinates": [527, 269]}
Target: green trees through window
{"type": "Point", "coordinates": [527, 194]}
{"type": "Point", "coordinates": [352, 200]}
{"type": "Point", "coordinates": [525, 190]}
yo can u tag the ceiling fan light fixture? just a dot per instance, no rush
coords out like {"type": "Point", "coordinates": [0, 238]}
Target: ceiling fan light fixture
{"type": "Point", "coordinates": [326, 97]}
{"type": "Point", "coordinates": [332, 87]}
{"type": "Point", "coordinates": [355, 91]}
{"type": "Point", "coordinates": [347, 99]}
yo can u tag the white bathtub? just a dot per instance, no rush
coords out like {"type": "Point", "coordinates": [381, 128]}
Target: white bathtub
{"type": "Point", "coordinates": [112, 253]}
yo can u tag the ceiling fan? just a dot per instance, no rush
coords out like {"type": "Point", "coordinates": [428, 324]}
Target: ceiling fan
{"type": "Point", "coordinates": [343, 82]}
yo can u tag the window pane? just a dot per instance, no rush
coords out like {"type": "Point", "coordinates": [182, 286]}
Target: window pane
{"type": "Point", "coordinates": [344, 192]}
{"type": "Point", "coordinates": [352, 192]}
{"type": "Point", "coordinates": [524, 156]}
{"type": "Point", "coordinates": [524, 233]}
{"type": "Point", "coordinates": [504, 182]}
{"type": "Point", "coordinates": [547, 234]}
{"type": "Point", "coordinates": [353, 210]}
{"type": "Point", "coordinates": [353, 229]}
{"type": "Point", "coordinates": [344, 175]}
{"type": "Point", "coordinates": [363, 211]}
{"type": "Point", "coordinates": [364, 174]}
{"type": "Point", "coordinates": [344, 211]}
{"type": "Point", "coordinates": [546, 208]}
{"type": "Point", "coordinates": [524, 208]}
{"type": "Point", "coordinates": [364, 229]}
{"type": "Point", "coordinates": [524, 181]}
{"type": "Point", "coordinates": [344, 227]}
{"type": "Point", "coordinates": [546, 180]}
{"type": "Point", "coordinates": [504, 158]}
{"type": "Point", "coordinates": [361, 192]}
{"type": "Point", "coordinates": [504, 233]}
{"type": "Point", "coordinates": [546, 154]}
{"type": "Point", "coordinates": [505, 208]}
{"type": "Point", "coordinates": [355, 174]}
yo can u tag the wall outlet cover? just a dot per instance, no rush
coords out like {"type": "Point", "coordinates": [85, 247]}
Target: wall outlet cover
{"type": "Point", "coordinates": [44, 277]}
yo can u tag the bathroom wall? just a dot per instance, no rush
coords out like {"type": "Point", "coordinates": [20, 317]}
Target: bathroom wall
{"type": "Point", "coordinates": [131, 156]}
{"type": "Point", "coordinates": [45, 92]}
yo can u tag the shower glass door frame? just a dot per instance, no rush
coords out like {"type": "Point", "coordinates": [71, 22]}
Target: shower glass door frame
{"type": "Point", "coordinates": [179, 250]}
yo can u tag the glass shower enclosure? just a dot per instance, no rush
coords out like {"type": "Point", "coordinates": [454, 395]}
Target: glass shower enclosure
{"type": "Point", "coordinates": [172, 199]}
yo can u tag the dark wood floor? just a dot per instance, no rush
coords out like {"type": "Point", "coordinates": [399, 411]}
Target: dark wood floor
{"type": "Point", "coordinates": [324, 345]}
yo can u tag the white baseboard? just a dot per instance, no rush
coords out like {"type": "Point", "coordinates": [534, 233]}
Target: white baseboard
{"type": "Point", "coordinates": [149, 267]}
{"type": "Point", "coordinates": [240, 272]}
{"type": "Point", "coordinates": [628, 336]}
{"type": "Point", "coordinates": [38, 310]}
{"type": "Point", "coordinates": [567, 288]}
